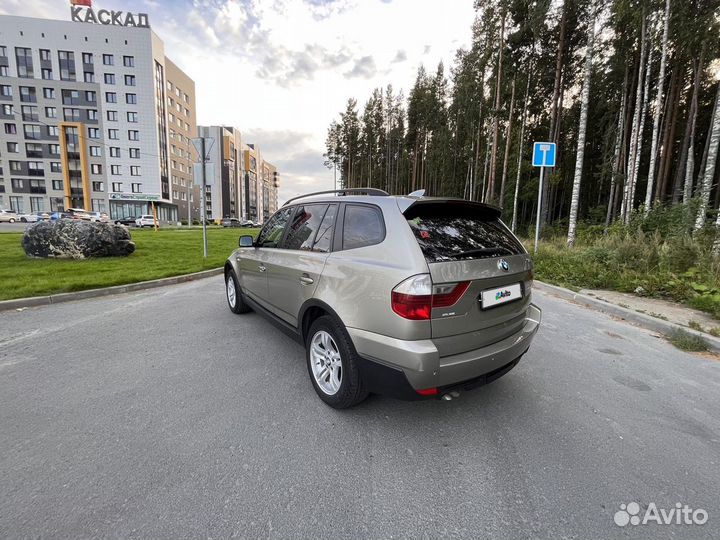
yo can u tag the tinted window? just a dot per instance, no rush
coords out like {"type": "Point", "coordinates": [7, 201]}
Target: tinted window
{"type": "Point", "coordinates": [363, 226]}
{"type": "Point", "coordinates": [304, 226]}
{"type": "Point", "coordinates": [448, 232]}
{"type": "Point", "coordinates": [324, 236]}
{"type": "Point", "coordinates": [272, 232]}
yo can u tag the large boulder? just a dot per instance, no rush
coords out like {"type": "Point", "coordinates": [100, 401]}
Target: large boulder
{"type": "Point", "coordinates": [76, 239]}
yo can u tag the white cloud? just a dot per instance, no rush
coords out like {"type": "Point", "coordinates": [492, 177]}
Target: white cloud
{"type": "Point", "coordinates": [289, 66]}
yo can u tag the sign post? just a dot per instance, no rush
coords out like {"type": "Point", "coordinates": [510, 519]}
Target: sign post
{"type": "Point", "coordinates": [543, 156]}
{"type": "Point", "coordinates": [203, 151]}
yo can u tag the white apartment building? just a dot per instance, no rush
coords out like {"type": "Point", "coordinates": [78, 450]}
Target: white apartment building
{"type": "Point", "coordinates": [84, 116]}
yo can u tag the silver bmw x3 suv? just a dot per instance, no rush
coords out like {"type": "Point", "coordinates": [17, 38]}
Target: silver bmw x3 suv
{"type": "Point", "coordinates": [409, 296]}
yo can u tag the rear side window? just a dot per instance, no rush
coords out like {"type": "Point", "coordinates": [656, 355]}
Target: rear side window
{"type": "Point", "coordinates": [363, 226]}
{"type": "Point", "coordinates": [304, 227]}
{"type": "Point", "coordinates": [450, 232]}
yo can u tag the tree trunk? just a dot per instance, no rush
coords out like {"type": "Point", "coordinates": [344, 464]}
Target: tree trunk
{"type": "Point", "coordinates": [523, 119]}
{"type": "Point", "coordinates": [575, 198]}
{"type": "Point", "coordinates": [668, 139]}
{"type": "Point", "coordinates": [692, 119]}
{"type": "Point", "coordinates": [643, 115]}
{"type": "Point", "coordinates": [619, 138]}
{"type": "Point", "coordinates": [627, 203]}
{"type": "Point", "coordinates": [496, 115]}
{"type": "Point", "coordinates": [657, 111]}
{"type": "Point", "coordinates": [508, 139]}
{"type": "Point", "coordinates": [714, 137]}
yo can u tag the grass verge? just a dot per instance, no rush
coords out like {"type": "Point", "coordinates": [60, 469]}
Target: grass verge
{"type": "Point", "coordinates": [687, 342]}
{"type": "Point", "coordinates": [165, 253]}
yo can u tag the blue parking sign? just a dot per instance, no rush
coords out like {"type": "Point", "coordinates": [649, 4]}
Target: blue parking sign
{"type": "Point", "coordinates": [543, 154]}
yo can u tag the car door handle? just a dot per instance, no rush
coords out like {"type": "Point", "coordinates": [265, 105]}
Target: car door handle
{"type": "Point", "coordinates": [261, 267]}
{"type": "Point", "coordinates": [306, 280]}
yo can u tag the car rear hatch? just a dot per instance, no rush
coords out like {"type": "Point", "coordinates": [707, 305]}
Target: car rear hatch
{"type": "Point", "coordinates": [480, 272]}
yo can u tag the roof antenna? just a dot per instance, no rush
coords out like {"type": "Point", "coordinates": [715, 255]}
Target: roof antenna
{"type": "Point", "coordinates": [418, 193]}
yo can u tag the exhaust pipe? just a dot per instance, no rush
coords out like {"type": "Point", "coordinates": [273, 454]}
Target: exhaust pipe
{"type": "Point", "coordinates": [450, 395]}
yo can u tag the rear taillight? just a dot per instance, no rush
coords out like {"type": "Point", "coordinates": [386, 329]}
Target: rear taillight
{"type": "Point", "coordinates": [415, 297]}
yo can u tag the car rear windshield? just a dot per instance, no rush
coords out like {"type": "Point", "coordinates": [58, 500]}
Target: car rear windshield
{"type": "Point", "coordinates": [451, 232]}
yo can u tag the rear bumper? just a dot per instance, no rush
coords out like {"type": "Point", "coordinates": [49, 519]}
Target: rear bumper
{"type": "Point", "coordinates": [396, 367]}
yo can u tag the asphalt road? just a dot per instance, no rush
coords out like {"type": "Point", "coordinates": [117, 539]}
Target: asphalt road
{"type": "Point", "coordinates": [163, 415]}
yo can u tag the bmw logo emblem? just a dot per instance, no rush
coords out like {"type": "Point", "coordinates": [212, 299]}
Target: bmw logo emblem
{"type": "Point", "coordinates": [503, 265]}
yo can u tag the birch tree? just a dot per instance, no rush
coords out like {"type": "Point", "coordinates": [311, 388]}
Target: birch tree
{"type": "Point", "coordinates": [641, 129]}
{"type": "Point", "coordinates": [657, 110]}
{"type": "Point", "coordinates": [619, 137]}
{"type": "Point", "coordinates": [521, 143]}
{"type": "Point", "coordinates": [508, 140]}
{"type": "Point", "coordinates": [585, 101]}
{"type": "Point", "coordinates": [714, 138]}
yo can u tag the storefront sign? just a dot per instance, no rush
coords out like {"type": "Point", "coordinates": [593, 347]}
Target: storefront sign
{"type": "Point", "coordinates": [135, 197]}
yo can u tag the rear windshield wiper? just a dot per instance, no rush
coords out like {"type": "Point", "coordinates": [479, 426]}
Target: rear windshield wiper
{"type": "Point", "coordinates": [481, 251]}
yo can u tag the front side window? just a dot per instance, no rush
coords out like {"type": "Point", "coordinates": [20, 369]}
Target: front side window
{"type": "Point", "coordinates": [363, 226]}
{"type": "Point", "coordinates": [271, 234]}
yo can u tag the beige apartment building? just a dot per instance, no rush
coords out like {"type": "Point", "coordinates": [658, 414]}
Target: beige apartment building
{"type": "Point", "coordinates": [182, 126]}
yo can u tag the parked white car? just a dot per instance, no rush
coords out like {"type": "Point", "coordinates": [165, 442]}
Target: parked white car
{"type": "Point", "coordinates": [29, 218]}
{"type": "Point", "coordinates": [8, 216]}
{"type": "Point", "coordinates": [145, 221]}
{"type": "Point", "coordinates": [102, 217]}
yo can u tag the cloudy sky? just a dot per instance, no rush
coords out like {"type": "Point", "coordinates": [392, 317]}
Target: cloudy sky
{"type": "Point", "coordinates": [281, 70]}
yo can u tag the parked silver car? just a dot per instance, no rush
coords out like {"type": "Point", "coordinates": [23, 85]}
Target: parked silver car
{"type": "Point", "coordinates": [9, 216]}
{"type": "Point", "coordinates": [408, 296]}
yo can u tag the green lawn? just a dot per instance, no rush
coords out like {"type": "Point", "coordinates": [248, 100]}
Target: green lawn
{"type": "Point", "coordinates": [168, 252]}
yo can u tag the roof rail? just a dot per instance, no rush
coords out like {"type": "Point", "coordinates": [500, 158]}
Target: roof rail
{"type": "Point", "coordinates": [360, 191]}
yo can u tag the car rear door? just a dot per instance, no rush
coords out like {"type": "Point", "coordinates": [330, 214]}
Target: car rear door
{"type": "Point", "coordinates": [253, 262]}
{"type": "Point", "coordinates": [481, 273]}
{"type": "Point", "coordinates": [295, 269]}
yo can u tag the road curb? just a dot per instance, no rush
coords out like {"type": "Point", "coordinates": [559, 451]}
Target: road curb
{"type": "Point", "coordinates": [640, 319]}
{"type": "Point", "coordinates": [105, 291]}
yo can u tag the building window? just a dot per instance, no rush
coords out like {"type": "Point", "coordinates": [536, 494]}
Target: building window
{"type": "Point", "coordinates": [111, 97]}
{"type": "Point", "coordinates": [37, 204]}
{"type": "Point", "coordinates": [95, 168]}
{"type": "Point", "coordinates": [57, 185]}
{"type": "Point", "coordinates": [98, 205]}
{"type": "Point", "coordinates": [71, 114]}
{"type": "Point", "coordinates": [134, 170]}
{"type": "Point", "coordinates": [91, 96]}
{"type": "Point", "coordinates": [46, 73]}
{"type": "Point", "coordinates": [133, 135]}
{"type": "Point", "coordinates": [5, 90]}
{"type": "Point", "coordinates": [54, 149]}
{"type": "Point", "coordinates": [70, 97]}
{"type": "Point", "coordinates": [131, 99]}
{"type": "Point", "coordinates": [37, 186]}
{"type": "Point", "coordinates": [129, 61]}
{"type": "Point", "coordinates": [67, 65]}
{"type": "Point", "coordinates": [16, 204]}
{"type": "Point", "coordinates": [17, 183]}
{"type": "Point", "coordinates": [136, 188]}
{"type": "Point", "coordinates": [4, 71]}
{"type": "Point", "coordinates": [31, 131]}
{"type": "Point", "coordinates": [51, 112]}
{"type": "Point", "coordinates": [53, 131]}
{"type": "Point", "coordinates": [13, 148]}
{"type": "Point", "coordinates": [7, 110]}
{"type": "Point", "coordinates": [108, 60]}
{"type": "Point", "coordinates": [55, 166]}
{"type": "Point", "coordinates": [97, 186]}
{"type": "Point", "coordinates": [87, 58]}
{"type": "Point", "coordinates": [129, 80]}
{"type": "Point", "coordinates": [114, 151]}
{"type": "Point", "coordinates": [92, 114]}
{"type": "Point", "coordinates": [23, 57]}
{"type": "Point", "coordinates": [186, 98]}
{"type": "Point", "coordinates": [95, 151]}
{"type": "Point", "coordinates": [113, 134]}
{"type": "Point", "coordinates": [27, 94]}
{"type": "Point", "coordinates": [49, 93]}
{"type": "Point", "coordinates": [30, 113]}
{"type": "Point", "coordinates": [115, 170]}
{"type": "Point", "coordinates": [135, 153]}
{"type": "Point", "coordinates": [89, 77]}
{"type": "Point", "coordinates": [112, 116]}
{"type": "Point", "coordinates": [36, 168]}
{"type": "Point", "coordinates": [45, 55]}
{"type": "Point", "coordinates": [132, 117]}
{"type": "Point", "coordinates": [33, 150]}
{"type": "Point", "coordinates": [15, 166]}
{"type": "Point", "coordinates": [109, 78]}
{"type": "Point", "coordinates": [117, 187]}
{"type": "Point", "coordinates": [93, 133]}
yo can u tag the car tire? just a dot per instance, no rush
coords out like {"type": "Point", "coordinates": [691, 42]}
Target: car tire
{"type": "Point", "coordinates": [24, 220]}
{"type": "Point", "coordinates": [233, 294]}
{"type": "Point", "coordinates": [11, 220]}
{"type": "Point", "coordinates": [333, 364]}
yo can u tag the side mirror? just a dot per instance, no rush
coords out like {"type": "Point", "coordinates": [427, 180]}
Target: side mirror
{"type": "Point", "coordinates": [246, 241]}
